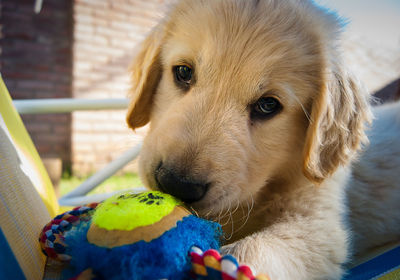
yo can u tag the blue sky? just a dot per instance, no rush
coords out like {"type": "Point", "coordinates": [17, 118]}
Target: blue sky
{"type": "Point", "coordinates": [376, 20]}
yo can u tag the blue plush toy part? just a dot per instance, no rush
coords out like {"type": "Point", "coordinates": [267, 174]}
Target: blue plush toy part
{"type": "Point", "coordinates": [162, 254]}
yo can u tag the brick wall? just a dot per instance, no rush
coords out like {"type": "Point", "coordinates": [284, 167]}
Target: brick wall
{"type": "Point", "coordinates": [78, 49]}
{"type": "Point", "coordinates": [105, 35]}
{"type": "Point", "coordinates": [35, 62]}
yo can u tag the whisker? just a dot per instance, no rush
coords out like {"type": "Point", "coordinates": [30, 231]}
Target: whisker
{"type": "Point", "coordinates": [207, 215]}
{"type": "Point", "coordinates": [249, 209]}
{"type": "Point", "coordinates": [219, 214]}
{"type": "Point", "coordinates": [226, 215]}
{"type": "Point", "coordinates": [194, 211]}
{"type": "Point", "coordinates": [227, 211]}
{"type": "Point", "coordinates": [304, 110]}
{"type": "Point", "coordinates": [237, 206]}
{"type": "Point", "coordinates": [232, 227]}
{"type": "Point", "coordinates": [298, 101]}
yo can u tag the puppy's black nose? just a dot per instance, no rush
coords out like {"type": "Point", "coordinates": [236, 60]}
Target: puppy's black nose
{"type": "Point", "coordinates": [180, 187]}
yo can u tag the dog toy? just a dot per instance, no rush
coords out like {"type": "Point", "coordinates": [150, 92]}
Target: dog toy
{"type": "Point", "coordinates": [138, 236]}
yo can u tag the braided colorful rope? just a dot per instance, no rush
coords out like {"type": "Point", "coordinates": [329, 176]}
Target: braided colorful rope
{"type": "Point", "coordinates": [211, 265]}
{"type": "Point", "coordinates": [52, 236]}
{"type": "Point", "coordinates": [205, 265]}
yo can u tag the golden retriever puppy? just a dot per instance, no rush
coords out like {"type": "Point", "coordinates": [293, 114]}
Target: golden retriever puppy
{"type": "Point", "coordinates": [254, 122]}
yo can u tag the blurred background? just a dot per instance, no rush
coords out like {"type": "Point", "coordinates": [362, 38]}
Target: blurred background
{"type": "Point", "coordinates": [82, 49]}
{"type": "Point", "coordinates": [371, 41]}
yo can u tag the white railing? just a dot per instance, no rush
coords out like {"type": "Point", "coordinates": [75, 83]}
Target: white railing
{"type": "Point", "coordinates": [67, 105]}
{"type": "Point", "coordinates": [79, 196]}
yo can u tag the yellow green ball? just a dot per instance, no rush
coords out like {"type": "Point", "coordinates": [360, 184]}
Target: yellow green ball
{"type": "Point", "coordinates": [129, 210]}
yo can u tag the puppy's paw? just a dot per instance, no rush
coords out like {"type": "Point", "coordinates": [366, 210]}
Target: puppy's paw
{"type": "Point", "coordinates": [279, 261]}
{"type": "Point", "coordinates": [245, 252]}
{"type": "Point", "coordinates": [228, 249]}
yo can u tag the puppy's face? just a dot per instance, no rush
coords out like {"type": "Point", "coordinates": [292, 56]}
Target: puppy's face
{"type": "Point", "coordinates": [230, 88]}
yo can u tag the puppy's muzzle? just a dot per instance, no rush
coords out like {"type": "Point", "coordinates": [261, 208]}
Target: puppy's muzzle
{"type": "Point", "coordinates": [188, 190]}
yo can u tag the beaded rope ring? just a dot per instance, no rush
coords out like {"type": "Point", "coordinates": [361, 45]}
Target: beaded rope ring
{"type": "Point", "coordinates": [211, 265]}
{"type": "Point", "coordinates": [52, 236]}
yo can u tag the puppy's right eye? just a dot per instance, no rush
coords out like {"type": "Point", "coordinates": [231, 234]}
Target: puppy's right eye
{"type": "Point", "coordinates": [265, 107]}
{"type": "Point", "coordinates": [183, 76]}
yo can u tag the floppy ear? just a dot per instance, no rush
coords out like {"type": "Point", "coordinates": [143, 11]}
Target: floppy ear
{"type": "Point", "coordinates": [336, 131]}
{"type": "Point", "coordinates": [146, 73]}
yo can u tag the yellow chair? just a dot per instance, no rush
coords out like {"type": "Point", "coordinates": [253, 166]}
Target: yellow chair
{"type": "Point", "coordinates": [27, 198]}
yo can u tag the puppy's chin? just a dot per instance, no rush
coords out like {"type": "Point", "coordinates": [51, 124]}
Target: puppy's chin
{"type": "Point", "coordinates": [213, 206]}
{"type": "Point", "coordinates": [207, 210]}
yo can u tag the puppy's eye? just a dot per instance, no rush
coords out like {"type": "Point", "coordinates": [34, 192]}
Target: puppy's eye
{"type": "Point", "coordinates": [265, 107]}
{"type": "Point", "coordinates": [183, 75]}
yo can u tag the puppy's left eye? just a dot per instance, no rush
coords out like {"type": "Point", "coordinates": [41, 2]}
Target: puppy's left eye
{"type": "Point", "coordinates": [183, 75]}
{"type": "Point", "coordinates": [265, 107]}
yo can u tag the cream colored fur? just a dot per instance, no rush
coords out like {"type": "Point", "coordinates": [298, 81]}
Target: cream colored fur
{"type": "Point", "coordinates": [277, 185]}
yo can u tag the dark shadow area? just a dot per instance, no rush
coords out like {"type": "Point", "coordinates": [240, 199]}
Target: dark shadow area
{"type": "Point", "coordinates": [389, 93]}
